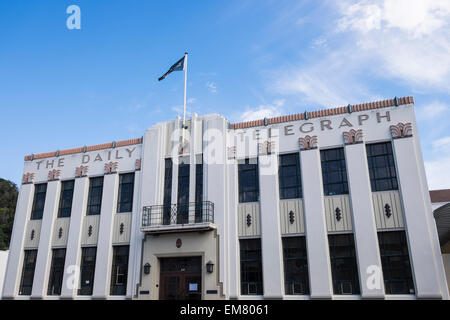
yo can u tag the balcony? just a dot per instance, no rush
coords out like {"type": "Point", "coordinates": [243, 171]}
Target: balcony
{"type": "Point", "coordinates": [193, 216]}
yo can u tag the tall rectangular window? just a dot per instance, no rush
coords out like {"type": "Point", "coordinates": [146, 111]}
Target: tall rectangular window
{"type": "Point", "coordinates": [126, 190]}
{"type": "Point", "coordinates": [29, 264]}
{"type": "Point", "coordinates": [295, 265]}
{"type": "Point", "coordinates": [198, 192]}
{"type": "Point", "coordinates": [381, 167]}
{"type": "Point", "coordinates": [87, 270]}
{"type": "Point", "coordinates": [248, 177]}
{"type": "Point", "coordinates": [119, 270]}
{"type": "Point", "coordinates": [56, 272]}
{"type": "Point", "coordinates": [167, 191]}
{"type": "Point", "coordinates": [395, 261]}
{"type": "Point", "coordinates": [183, 193]}
{"type": "Point", "coordinates": [251, 267]}
{"type": "Point", "coordinates": [95, 196]}
{"type": "Point", "coordinates": [334, 172]}
{"type": "Point", "coordinates": [65, 199]}
{"type": "Point", "coordinates": [40, 191]}
{"type": "Point", "coordinates": [343, 264]}
{"type": "Point", "coordinates": [289, 176]}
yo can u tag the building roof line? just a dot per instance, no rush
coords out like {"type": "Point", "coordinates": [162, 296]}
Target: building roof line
{"type": "Point", "coordinates": [96, 147]}
{"type": "Point", "coordinates": [324, 112]}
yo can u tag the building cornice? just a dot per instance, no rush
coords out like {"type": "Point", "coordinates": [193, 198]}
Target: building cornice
{"type": "Point", "coordinates": [84, 149]}
{"type": "Point", "coordinates": [324, 113]}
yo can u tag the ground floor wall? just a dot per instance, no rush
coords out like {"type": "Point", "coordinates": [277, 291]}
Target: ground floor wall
{"type": "Point", "coordinates": [176, 245]}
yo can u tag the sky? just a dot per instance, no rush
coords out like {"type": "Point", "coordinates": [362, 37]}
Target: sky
{"type": "Point", "coordinates": [248, 59]}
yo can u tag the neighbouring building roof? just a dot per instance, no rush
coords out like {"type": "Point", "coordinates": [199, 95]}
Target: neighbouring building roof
{"type": "Point", "coordinates": [442, 195]}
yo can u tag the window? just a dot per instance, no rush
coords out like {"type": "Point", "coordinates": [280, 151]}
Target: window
{"type": "Point", "coordinates": [183, 193]}
{"type": "Point", "coordinates": [65, 200]}
{"type": "Point", "coordinates": [295, 265]}
{"type": "Point", "coordinates": [198, 192]}
{"type": "Point", "coordinates": [395, 261]}
{"type": "Point", "coordinates": [39, 201]}
{"type": "Point", "coordinates": [167, 190]}
{"type": "Point", "coordinates": [119, 270]}
{"type": "Point", "coordinates": [87, 270]}
{"type": "Point", "coordinates": [289, 176]}
{"type": "Point", "coordinates": [381, 167]}
{"type": "Point", "coordinates": [334, 173]}
{"type": "Point", "coordinates": [95, 196]}
{"type": "Point", "coordinates": [29, 264]}
{"type": "Point", "coordinates": [251, 267]}
{"type": "Point", "coordinates": [126, 189]}
{"type": "Point", "coordinates": [56, 272]}
{"type": "Point", "coordinates": [248, 180]}
{"type": "Point", "coordinates": [343, 264]}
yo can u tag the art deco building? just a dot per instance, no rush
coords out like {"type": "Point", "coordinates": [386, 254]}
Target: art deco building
{"type": "Point", "coordinates": [329, 204]}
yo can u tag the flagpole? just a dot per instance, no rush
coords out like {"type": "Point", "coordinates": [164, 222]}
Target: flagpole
{"type": "Point", "coordinates": [185, 82]}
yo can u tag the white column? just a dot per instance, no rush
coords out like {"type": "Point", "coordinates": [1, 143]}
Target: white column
{"type": "Point", "coordinates": [44, 256]}
{"type": "Point", "coordinates": [315, 225]}
{"type": "Point", "coordinates": [424, 265]}
{"type": "Point", "coordinates": [271, 247]}
{"type": "Point", "coordinates": [15, 255]}
{"type": "Point", "coordinates": [233, 263]}
{"type": "Point", "coordinates": [73, 250]}
{"type": "Point", "coordinates": [104, 247]}
{"type": "Point", "coordinates": [192, 166]}
{"type": "Point", "coordinates": [365, 230]}
{"type": "Point", "coordinates": [214, 156]}
{"type": "Point", "coordinates": [135, 234]}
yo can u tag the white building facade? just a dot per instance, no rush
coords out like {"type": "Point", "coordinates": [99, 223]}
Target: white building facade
{"type": "Point", "coordinates": [330, 204]}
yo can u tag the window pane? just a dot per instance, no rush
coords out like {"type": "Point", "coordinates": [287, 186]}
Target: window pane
{"type": "Point", "coordinates": [382, 172]}
{"type": "Point", "coordinates": [29, 264]}
{"type": "Point", "coordinates": [248, 177]}
{"type": "Point", "coordinates": [295, 265]}
{"type": "Point", "coordinates": [251, 267]}
{"type": "Point", "coordinates": [395, 261]}
{"type": "Point", "coordinates": [87, 270]}
{"type": "Point", "coordinates": [343, 264]}
{"type": "Point", "coordinates": [66, 197]}
{"type": "Point", "coordinates": [334, 172]}
{"type": "Point", "coordinates": [40, 191]}
{"type": "Point", "coordinates": [56, 272]}
{"type": "Point", "coordinates": [126, 189]}
{"type": "Point", "coordinates": [119, 270]}
{"type": "Point", "coordinates": [95, 196]}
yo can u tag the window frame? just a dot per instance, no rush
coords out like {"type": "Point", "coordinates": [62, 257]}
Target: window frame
{"type": "Point", "coordinates": [251, 192]}
{"type": "Point", "coordinates": [89, 211]}
{"type": "Point", "coordinates": [405, 259]}
{"type": "Point", "coordinates": [127, 204]}
{"type": "Point", "coordinates": [281, 176]}
{"type": "Point", "coordinates": [56, 274]}
{"type": "Point", "coordinates": [39, 197]}
{"type": "Point", "coordinates": [338, 266]}
{"type": "Point", "coordinates": [388, 166]}
{"type": "Point", "coordinates": [328, 171]}
{"type": "Point", "coordinates": [66, 199]}
{"type": "Point", "coordinates": [28, 270]}
{"type": "Point", "coordinates": [246, 262]}
{"type": "Point", "coordinates": [292, 261]}
{"type": "Point", "coordinates": [117, 289]}
{"type": "Point", "coordinates": [88, 267]}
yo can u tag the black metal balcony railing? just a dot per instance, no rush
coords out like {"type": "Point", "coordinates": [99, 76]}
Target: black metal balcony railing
{"type": "Point", "coordinates": [193, 212]}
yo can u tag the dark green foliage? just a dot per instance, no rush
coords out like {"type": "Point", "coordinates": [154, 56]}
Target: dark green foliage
{"type": "Point", "coordinates": [8, 199]}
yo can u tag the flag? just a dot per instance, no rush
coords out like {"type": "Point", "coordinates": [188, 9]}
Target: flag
{"type": "Point", "coordinates": [178, 66]}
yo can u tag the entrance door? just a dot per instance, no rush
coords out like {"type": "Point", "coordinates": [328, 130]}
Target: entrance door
{"type": "Point", "coordinates": [181, 278]}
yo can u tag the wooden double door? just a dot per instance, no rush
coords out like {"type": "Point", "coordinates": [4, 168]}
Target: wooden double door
{"type": "Point", "coordinates": [181, 278]}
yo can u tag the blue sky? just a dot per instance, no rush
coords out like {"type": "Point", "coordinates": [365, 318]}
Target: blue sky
{"type": "Point", "coordinates": [248, 59]}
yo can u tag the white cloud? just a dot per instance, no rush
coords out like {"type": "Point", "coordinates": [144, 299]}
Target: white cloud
{"type": "Point", "coordinates": [211, 87]}
{"type": "Point", "coordinates": [431, 111]}
{"type": "Point", "coordinates": [438, 173]}
{"type": "Point", "coordinates": [407, 39]}
{"type": "Point", "coordinates": [263, 111]}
